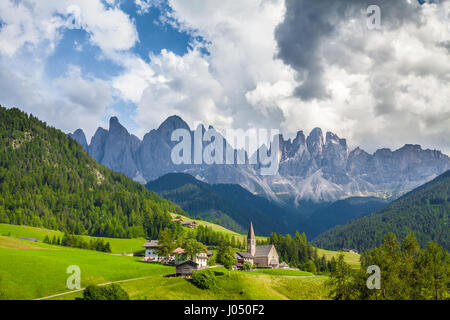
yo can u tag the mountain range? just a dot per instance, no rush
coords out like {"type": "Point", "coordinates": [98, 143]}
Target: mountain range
{"type": "Point", "coordinates": [313, 168]}
{"type": "Point", "coordinates": [228, 205]}
{"type": "Point", "coordinates": [232, 206]}
{"type": "Point", "coordinates": [424, 211]}
{"type": "Point", "coordinates": [48, 180]}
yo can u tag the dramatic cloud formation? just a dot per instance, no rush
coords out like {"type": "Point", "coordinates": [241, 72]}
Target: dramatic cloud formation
{"type": "Point", "coordinates": [292, 65]}
{"type": "Point", "coordinates": [370, 85]}
{"type": "Point", "coordinates": [29, 33]}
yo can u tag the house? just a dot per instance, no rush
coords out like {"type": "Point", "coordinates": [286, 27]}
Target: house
{"type": "Point", "coordinates": [350, 250]}
{"type": "Point", "coordinates": [189, 224]}
{"type": "Point", "coordinates": [177, 220]}
{"type": "Point", "coordinates": [201, 258]}
{"type": "Point", "coordinates": [186, 269]}
{"type": "Point", "coordinates": [151, 253]}
{"type": "Point", "coordinates": [261, 256]}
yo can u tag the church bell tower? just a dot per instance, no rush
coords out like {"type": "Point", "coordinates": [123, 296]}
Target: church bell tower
{"type": "Point", "coordinates": [251, 241]}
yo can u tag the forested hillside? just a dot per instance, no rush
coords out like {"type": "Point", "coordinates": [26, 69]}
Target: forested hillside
{"type": "Point", "coordinates": [423, 211]}
{"type": "Point", "coordinates": [48, 180]}
{"type": "Point", "coordinates": [228, 205]}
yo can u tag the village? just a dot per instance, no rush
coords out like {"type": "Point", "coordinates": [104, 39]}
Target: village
{"type": "Point", "coordinates": [256, 256]}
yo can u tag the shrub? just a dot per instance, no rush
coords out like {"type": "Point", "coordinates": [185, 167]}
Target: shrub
{"type": "Point", "coordinates": [204, 279]}
{"type": "Point", "coordinates": [248, 266]}
{"type": "Point", "coordinates": [109, 292]}
{"type": "Point", "coordinates": [212, 261]}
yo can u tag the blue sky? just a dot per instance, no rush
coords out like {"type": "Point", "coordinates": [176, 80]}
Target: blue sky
{"type": "Point", "coordinates": [233, 64]}
{"type": "Point", "coordinates": [74, 48]}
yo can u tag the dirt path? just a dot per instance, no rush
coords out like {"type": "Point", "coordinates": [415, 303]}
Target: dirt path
{"type": "Point", "coordinates": [82, 289]}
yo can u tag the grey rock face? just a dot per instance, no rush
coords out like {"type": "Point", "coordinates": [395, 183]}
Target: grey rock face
{"type": "Point", "coordinates": [120, 149]}
{"type": "Point", "coordinates": [97, 146]}
{"type": "Point", "coordinates": [80, 137]}
{"type": "Point", "coordinates": [311, 168]}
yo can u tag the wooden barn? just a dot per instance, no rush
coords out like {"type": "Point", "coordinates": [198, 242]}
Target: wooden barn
{"type": "Point", "coordinates": [186, 269]}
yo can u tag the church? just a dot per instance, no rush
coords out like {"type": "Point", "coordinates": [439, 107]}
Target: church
{"type": "Point", "coordinates": [260, 256]}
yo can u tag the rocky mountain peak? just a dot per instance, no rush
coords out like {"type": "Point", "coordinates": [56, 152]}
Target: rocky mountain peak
{"type": "Point", "coordinates": [332, 138]}
{"type": "Point", "coordinates": [311, 168]}
{"type": "Point", "coordinates": [173, 123]}
{"type": "Point", "coordinates": [116, 128]}
{"type": "Point", "coordinates": [80, 137]}
{"type": "Point", "coordinates": [315, 144]}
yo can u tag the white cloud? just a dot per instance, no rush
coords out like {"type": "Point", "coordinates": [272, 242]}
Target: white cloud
{"type": "Point", "coordinates": [212, 88]}
{"type": "Point", "coordinates": [144, 6]}
{"type": "Point", "coordinates": [68, 103]}
{"type": "Point", "coordinates": [73, 100]}
{"type": "Point", "coordinates": [22, 24]}
{"type": "Point", "coordinates": [90, 93]}
{"type": "Point", "coordinates": [39, 23]}
{"type": "Point", "coordinates": [384, 88]}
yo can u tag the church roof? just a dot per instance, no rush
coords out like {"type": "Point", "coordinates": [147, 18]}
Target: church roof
{"type": "Point", "coordinates": [244, 255]}
{"type": "Point", "coordinates": [251, 232]}
{"type": "Point", "coordinates": [263, 250]}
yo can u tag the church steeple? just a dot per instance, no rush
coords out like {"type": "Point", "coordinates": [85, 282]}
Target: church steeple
{"type": "Point", "coordinates": [251, 240]}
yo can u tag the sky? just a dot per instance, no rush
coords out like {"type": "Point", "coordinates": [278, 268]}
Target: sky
{"type": "Point", "coordinates": [274, 64]}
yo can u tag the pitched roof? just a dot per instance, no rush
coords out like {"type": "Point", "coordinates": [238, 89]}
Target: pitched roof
{"type": "Point", "coordinates": [178, 251]}
{"type": "Point", "coordinates": [263, 250]}
{"type": "Point", "coordinates": [284, 264]}
{"type": "Point", "coordinates": [251, 232]}
{"type": "Point", "coordinates": [243, 255]}
{"type": "Point", "coordinates": [188, 223]}
{"type": "Point", "coordinates": [151, 244]}
{"type": "Point", "coordinates": [190, 262]}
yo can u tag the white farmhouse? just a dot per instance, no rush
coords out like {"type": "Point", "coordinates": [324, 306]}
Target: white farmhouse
{"type": "Point", "coordinates": [150, 251]}
{"type": "Point", "coordinates": [201, 258]}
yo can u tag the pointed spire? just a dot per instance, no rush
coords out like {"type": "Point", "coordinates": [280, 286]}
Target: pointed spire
{"type": "Point", "coordinates": [251, 232]}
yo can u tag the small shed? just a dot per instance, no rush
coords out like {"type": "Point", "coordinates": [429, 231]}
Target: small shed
{"type": "Point", "coordinates": [189, 224]}
{"type": "Point", "coordinates": [284, 265]}
{"type": "Point", "coordinates": [186, 269]}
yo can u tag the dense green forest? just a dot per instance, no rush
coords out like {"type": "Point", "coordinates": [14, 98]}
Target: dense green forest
{"type": "Point", "coordinates": [299, 253]}
{"type": "Point", "coordinates": [338, 213]}
{"type": "Point", "coordinates": [423, 211]}
{"type": "Point", "coordinates": [230, 206]}
{"type": "Point", "coordinates": [74, 241]}
{"type": "Point", "coordinates": [48, 180]}
{"type": "Point", "coordinates": [396, 270]}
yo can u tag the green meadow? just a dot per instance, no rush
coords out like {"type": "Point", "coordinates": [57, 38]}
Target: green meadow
{"type": "Point", "coordinates": [31, 270]}
{"type": "Point", "coordinates": [117, 245]}
{"type": "Point", "coordinates": [41, 271]}
{"type": "Point", "coordinates": [351, 258]}
{"type": "Point", "coordinates": [239, 286]}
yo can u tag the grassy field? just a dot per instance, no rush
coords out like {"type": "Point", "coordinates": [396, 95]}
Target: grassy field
{"type": "Point", "coordinates": [12, 243]}
{"type": "Point", "coordinates": [240, 286]}
{"type": "Point", "coordinates": [31, 270]}
{"type": "Point", "coordinates": [217, 228]}
{"type": "Point", "coordinates": [351, 258]}
{"type": "Point", "coordinates": [282, 272]}
{"type": "Point", "coordinates": [117, 245]}
{"type": "Point", "coordinates": [135, 245]}
{"type": "Point", "coordinates": [38, 272]}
